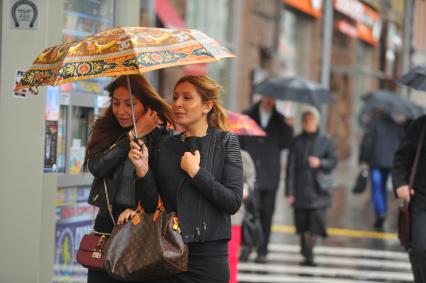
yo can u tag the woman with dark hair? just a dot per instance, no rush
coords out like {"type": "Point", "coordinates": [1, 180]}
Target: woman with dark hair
{"type": "Point", "coordinates": [116, 186]}
{"type": "Point", "coordinates": [199, 175]}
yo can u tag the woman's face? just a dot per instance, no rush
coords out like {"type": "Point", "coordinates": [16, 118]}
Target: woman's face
{"type": "Point", "coordinates": [310, 123]}
{"type": "Point", "coordinates": [121, 107]}
{"type": "Point", "coordinates": [188, 106]}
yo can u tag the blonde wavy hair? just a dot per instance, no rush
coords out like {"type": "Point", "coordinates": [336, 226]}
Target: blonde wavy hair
{"type": "Point", "coordinates": [210, 92]}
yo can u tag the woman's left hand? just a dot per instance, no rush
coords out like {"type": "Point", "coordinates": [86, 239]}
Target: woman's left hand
{"type": "Point", "coordinates": [190, 163]}
{"type": "Point", "coordinates": [125, 216]}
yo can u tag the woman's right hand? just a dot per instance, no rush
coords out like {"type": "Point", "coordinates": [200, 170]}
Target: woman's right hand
{"type": "Point", "coordinates": [404, 193]}
{"type": "Point", "coordinates": [147, 122]}
{"type": "Point", "coordinates": [138, 155]}
{"type": "Point", "coordinates": [291, 200]}
{"type": "Point", "coordinates": [125, 216]}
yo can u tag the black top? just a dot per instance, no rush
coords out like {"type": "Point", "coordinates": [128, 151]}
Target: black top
{"type": "Point", "coordinates": [301, 178]}
{"type": "Point", "coordinates": [266, 151]}
{"type": "Point", "coordinates": [380, 142]}
{"type": "Point", "coordinates": [203, 203]}
{"type": "Point", "coordinates": [191, 144]}
{"type": "Point", "coordinates": [404, 159]}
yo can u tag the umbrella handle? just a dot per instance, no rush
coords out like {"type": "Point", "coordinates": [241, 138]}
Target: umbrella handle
{"type": "Point", "coordinates": [129, 88]}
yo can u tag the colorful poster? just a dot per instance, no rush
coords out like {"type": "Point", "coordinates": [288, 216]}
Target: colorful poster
{"type": "Point", "coordinates": [50, 146]}
{"type": "Point", "coordinates": [73, 219]}
{"type": "Point", "coordinates": [22, 93]}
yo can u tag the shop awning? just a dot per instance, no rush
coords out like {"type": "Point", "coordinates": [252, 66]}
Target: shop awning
{"type": "Point", "coordinates": [170, 18]}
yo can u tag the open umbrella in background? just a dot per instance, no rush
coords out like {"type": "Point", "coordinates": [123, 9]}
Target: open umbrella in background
{"type": "Point", "coordinates": [243, 125]}
{"type": "Point", "coordinates": [121, 51]}
{"type": "Point", "coordinates": [415, 78]}
{"type": "Point", "coordinates": [390, 103]}
{"type": "Point", "coordinates": [295, 89]}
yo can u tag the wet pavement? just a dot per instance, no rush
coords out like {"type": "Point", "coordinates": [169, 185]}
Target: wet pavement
{"type": "Point", "coordinates": [354, 251]}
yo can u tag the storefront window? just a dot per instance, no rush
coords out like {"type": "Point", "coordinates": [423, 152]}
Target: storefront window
{"type": "Point", "coordinates": [218, 25]}
{"type": "Point", "coordinates": [83, 18]}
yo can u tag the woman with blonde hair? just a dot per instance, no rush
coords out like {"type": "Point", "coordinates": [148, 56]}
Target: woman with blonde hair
{"type": "Point", "coordinates": [199, 175]}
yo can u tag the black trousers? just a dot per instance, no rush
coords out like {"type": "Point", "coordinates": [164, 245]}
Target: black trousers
{"type": "Point", "coordinates": [418, 244]}
{"type": "Point", "coordinates": [265, 202]}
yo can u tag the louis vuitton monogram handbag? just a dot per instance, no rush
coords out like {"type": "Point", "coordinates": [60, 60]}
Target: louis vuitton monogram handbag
{"type": "Point", "coordinates": [148, 247]}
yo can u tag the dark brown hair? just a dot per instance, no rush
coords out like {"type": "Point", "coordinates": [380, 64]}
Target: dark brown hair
{"type": "Point", "coordinates": [210, 92]}
{"type": "Point", "coordinates": [107, 130]}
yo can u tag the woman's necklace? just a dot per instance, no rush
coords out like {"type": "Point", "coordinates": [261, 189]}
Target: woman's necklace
{"type": "Point", "coordinates": [183, 136]}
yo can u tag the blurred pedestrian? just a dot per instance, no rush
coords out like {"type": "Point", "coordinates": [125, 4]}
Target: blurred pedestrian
{"type": "Point", "coordinates": [379, 143]}
{"type": "Point", "coordinates": [250, 223]}
{"type": "Point", "coordinates": [108, 149]}
{"type": "Point", "coordinates": [310, 155]}
{"type": "Point", "coordinates": [416, 196]}
{"type": "Point", "coordinates": [199, 175]}
{"type": "Point", "coordinates": [266, 154]}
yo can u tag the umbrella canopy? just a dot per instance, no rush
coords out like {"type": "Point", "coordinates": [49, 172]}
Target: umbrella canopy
{"type": "Point", "coordinates": [243, 125]}
{"type": "Point", "coordinates": [295, 89]}
{"type": "Point", "coordinates": [389, 103]}
{"type": "Point", "coordinates": [121, 51]}
{"type": "Point", "coordinates": [415, 78]}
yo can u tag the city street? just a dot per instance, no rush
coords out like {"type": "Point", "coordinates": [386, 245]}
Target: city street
{"type": "Point", "coordinates": [353, 252]}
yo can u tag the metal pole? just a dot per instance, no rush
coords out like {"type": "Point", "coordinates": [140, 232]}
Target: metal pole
{"type": "Point", "coordinates": [326, 55]}
{"type": "Point", "coordinates": [407, 39]}
{"type": "Point", "coordinates": [234, 89]}
{"type": "Point", "coordinates": [131, 105]}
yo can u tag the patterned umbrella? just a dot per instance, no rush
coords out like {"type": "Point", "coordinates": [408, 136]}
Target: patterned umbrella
{"type": "Point", "coordinates": [243, 125]}
{"type": "Point", "coordinates": [121, 51]}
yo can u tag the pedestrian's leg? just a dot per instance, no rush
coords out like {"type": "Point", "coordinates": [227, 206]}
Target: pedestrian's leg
{"type": "Point", "coordinates": [266, 218]}
{"type": "Point", "coordinates": [260, 204]}
{"type": "Point", "coordinates": [385, 177]}
{"type": "Point", "coordinates": [303, 245]}
{"type": "Point", "coordinates": [418, 245]}
{"type": "Point", "coordinates": [377, 196]}
{"type": "Point", "coordinates": [309, 242]}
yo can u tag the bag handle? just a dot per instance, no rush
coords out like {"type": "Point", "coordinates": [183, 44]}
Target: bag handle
{"type": "Point", "coordinates": [160, 208]}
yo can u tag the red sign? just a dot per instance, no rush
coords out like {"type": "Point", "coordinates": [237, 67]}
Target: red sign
{"type": "Point", "coordinates": [368, 24]}
{"type": "Point", "coordinates": [310, 7]}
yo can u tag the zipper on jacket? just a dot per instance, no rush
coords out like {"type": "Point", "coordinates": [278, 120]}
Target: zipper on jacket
{"type": "Point", "coordinates": [204, 230]}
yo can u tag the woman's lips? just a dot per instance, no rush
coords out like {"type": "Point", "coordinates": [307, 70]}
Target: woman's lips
{"type": "Point", "coordinates": [124, 121]}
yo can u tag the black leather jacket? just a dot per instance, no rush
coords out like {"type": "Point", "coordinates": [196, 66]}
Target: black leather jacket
{"type": "Point", "coordinates": [115, 168]}
{"type": "Point", "coordinates": [205, 202]}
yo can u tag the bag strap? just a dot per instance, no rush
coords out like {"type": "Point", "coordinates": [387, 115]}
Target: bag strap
{"type": "Point", "coordinates": [108, 203]}
{"type": "Point", "coordinates": [416, 159]}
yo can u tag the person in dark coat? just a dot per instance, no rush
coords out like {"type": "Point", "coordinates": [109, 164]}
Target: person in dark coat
{"type": "Point", "coordinates": [310, 154]}
{"type": "Point", "coordinates": [199, 175]}
{"type": "Point", "coordinates": [107, 152]}
{"type": "Point", "coordinates": [266, 154]}
{"type": "Point", "coordinates": [416, 196]}
{"type": "Point", "coordinates": [378, 146]}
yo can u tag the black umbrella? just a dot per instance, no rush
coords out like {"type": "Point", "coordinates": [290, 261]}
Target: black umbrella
{"type": "Point", "coordinates": [295, 89]}
{"type": "Point", "coordinates": [415, 78]}
{"type": "Point", "coordinates": [389, 103]}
